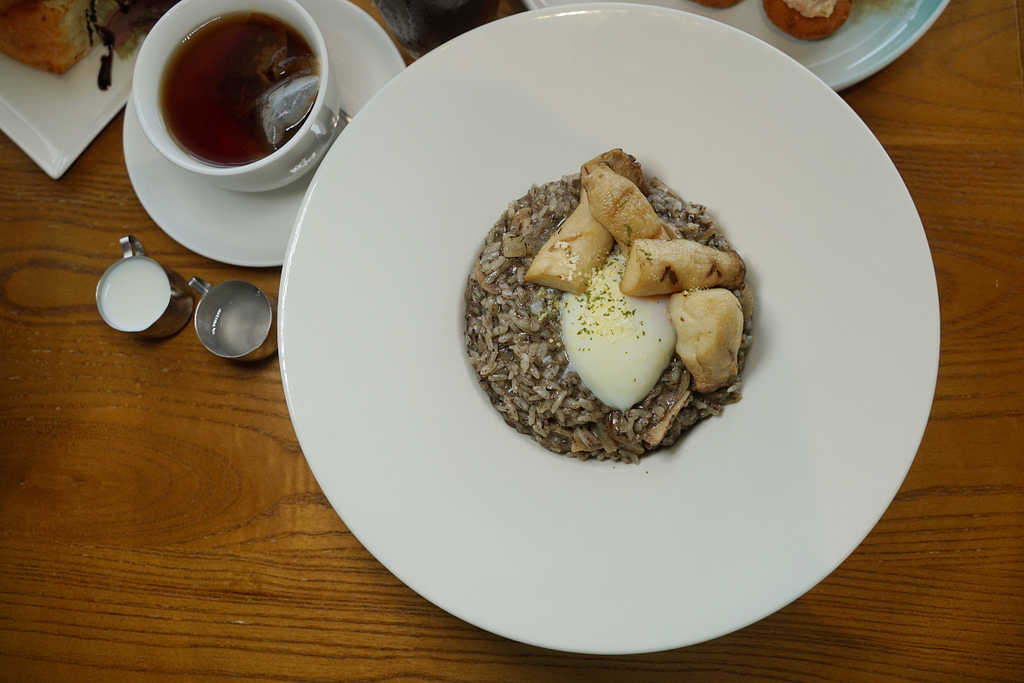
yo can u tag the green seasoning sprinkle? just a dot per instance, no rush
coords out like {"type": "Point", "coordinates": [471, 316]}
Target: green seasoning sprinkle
{"type": "Point", "coordinates": [607, 311]}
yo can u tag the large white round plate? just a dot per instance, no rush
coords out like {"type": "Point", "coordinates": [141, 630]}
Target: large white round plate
{"type": "Point", "coordinates": [751, 509]}
{"type": "Point", "coordinates": [875, 35]}
{"type": "Point", "coordinates": [245, 228]}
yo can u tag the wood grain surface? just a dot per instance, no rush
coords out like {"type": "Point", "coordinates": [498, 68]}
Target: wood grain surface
{"type": "Point", "coordinates": [158, 521]}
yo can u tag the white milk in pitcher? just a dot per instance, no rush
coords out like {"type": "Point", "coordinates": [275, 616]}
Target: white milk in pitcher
{"type": "Point", "coordinates": [133, 294]}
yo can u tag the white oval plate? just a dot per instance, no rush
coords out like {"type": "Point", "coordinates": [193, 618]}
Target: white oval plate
{"type": "Point", "coordinates": [752, 508]}
{"type": "Point", "coordinates": [875, 35]}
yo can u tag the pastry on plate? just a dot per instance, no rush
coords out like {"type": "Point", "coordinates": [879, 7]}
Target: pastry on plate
{"type": "Point", "coordinates": [808, 19]}
{"type": "Point", "coordinates": [54, 35]}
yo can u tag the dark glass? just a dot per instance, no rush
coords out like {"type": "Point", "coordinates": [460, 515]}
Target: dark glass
{"type": "Point", "coordinates": [215, 87]}
{"type": "Point", "coordinates": [422, 25]}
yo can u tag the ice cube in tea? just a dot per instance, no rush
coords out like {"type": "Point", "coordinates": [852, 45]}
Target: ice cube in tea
{"type": "Point", "coordinates": [285, 106]}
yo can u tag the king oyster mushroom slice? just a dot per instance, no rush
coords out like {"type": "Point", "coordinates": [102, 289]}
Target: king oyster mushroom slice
{"type": "Point", "coordinates": [658, 266]}
{"type": "Point", "coordinates": [624, 164]}
{"type": "Point", "coordinates": [572, 254]}
{"type": "Point", "coordinates": [621, 207]}
{"type": "Point", "coordinates": [655, 434]}
{"type": "Point", "coordinates": [709, 329]}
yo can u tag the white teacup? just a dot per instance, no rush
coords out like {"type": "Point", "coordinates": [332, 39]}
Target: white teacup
{"type": "Point", "coordinates": [297, 157]}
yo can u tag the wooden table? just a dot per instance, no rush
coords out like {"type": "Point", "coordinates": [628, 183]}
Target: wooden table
{"type": "Point", "coordinates": [158, 521]}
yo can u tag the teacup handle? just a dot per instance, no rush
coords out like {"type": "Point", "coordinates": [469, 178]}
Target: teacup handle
{"type": "Point", "coordinates": [200, 285]}
{"type": "Point", "coordinates": [130, 246]}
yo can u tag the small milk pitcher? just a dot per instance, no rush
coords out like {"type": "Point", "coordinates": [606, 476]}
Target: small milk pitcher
{"type": "Point", "coordinates": [139, 296]}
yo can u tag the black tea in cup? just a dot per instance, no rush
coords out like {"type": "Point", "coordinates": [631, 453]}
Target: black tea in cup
{"type": "Point", "coordinates": [238, 88]}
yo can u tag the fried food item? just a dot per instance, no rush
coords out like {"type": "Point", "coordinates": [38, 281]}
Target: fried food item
{"type": "Point", "coordinates": [808, 19]}
{"type": "Point", "coordinates": [54, 35]}
{"type": "Point", "coordinates": [51, 35]}
{"type": "Point", "coordinates": [709, 330]}
{"type": "Point", "coordinates": [656, 267]}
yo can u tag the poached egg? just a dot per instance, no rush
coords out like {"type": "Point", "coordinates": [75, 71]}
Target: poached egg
{"type": "Point", "coordinates": [619, 345]}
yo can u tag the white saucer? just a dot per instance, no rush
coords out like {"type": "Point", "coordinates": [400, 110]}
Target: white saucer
{"type": "Point", "coordinates": [252, 229]}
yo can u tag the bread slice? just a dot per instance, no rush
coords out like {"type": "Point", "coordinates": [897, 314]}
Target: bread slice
{"type": "Point", "coordinates": [52, 35]}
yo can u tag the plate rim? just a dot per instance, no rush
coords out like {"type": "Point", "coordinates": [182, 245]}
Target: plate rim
{"type": "Point", "coordinates": [839, 83]}
{"type": "Point", "coordinates": [289, 380]}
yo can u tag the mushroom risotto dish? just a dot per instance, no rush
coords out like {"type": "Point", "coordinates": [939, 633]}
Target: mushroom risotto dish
{"type": "Point", "coordinates": [606, 315]}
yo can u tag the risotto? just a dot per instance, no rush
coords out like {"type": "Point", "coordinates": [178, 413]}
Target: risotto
{"type": "Point", "coordinates": [514, 337]}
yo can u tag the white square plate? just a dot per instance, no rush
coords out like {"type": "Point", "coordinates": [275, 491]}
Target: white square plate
{"type": "Point", "coordinates": [54, 118]}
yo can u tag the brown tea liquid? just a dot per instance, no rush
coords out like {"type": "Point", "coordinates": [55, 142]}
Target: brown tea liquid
{"type": "Point", "coordinates": [216, 86]}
